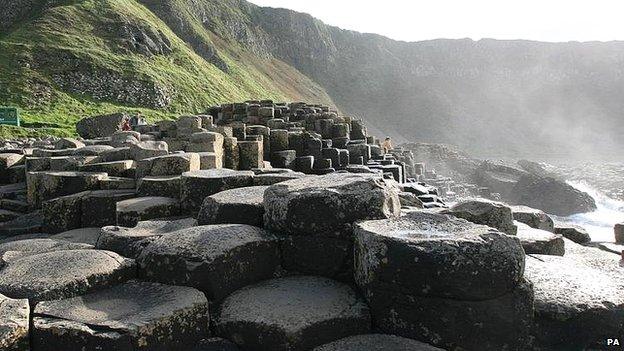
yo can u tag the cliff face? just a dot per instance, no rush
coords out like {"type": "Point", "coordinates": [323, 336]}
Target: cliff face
{"type": "Point", "coordinates": [492, 98]}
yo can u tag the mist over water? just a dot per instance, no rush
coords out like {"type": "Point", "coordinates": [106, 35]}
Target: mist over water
{"type": "Point", "coordinates": [599, 224]}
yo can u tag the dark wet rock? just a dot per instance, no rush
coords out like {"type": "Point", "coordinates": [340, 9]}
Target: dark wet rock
{"type": "Point", "coordinates": [129, 242]}
{"type": "Point", "coordinates": [436, 255]}
{"type": "Point", "coordinates": [572, 232]}
{"type": "Point", "coordinates": [532, 217]}
{"type": "Point", "coordinates": [480, 211]}
{"type": "Point", "coordinates": [14, 324]}
{"type": "Point", "coordinates": [237, 206]}
{"type": "Point", "coordinates": [578, 297]}
{"type": "Point", "coordinates": [61, 274]}
{"type": "Point", "coordinates": [294, 313]}
{"type": "Point", "coordinates": [132, 211]}
{"type": "Point", "coordinates": [323, 256]}
{"type": "Point", "coordinates": [131, 316]}
{"type": "Point", "coordinates": [217, 259]}
{"type": "Point", "coordinates": [618, 231]}
{"type": "Point", "coordinates": [552, 196]}
{"type": "Point", "coordinates": [29, 223]}
{"type": "Point", "coordinates": [376, 342]}
{"type": "Point", "coordinates": [502, 323]}
{"type": "Point", "coordinates": [537, 241]}
{"type": "Point", "coordinates": [196, 186]}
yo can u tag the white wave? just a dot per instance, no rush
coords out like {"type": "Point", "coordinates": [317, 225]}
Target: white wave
{"type": "Point", "coordinates": [599, 223]}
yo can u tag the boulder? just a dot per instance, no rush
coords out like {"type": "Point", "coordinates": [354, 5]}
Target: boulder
{"type": "Point", "coordinates": [572, 232]}
{"type": "Point", "coordinates": [537, 241]}
{"type": "Point", "coordinates": [578, 297]}
{"type": "Point", "coordinates": [118, 183]}
{"type": "Point", "coordinates": [131, 316]}
{"type": "Point", "coordinates": [618, 231]}
{"type": "Point", "coordinates": [316, 215]}
{"type": "Point", "coordinates": [552, 196]}
{"type": "Point", "coordinates": [14, 324]}
{"type": "Point", "coordinates": [532, 217]}
{"type": "Point", "coordinates": [100, 126]}
{"type": "Point", "coordinates": [62, 274]}
{"type": "Point", "coordinates": [129, 242]}
{"type": "Point", "coordinates": [436, 255]}
{"type": "Point", "coordinates": [328, 204]}
{"type": "Point", "coordinates": [148, 149]}
{"type": "Point", "coordinates": [480, 211]}
{"type": "Point", "coordinates": [237, 206]}
{"type": "Point", "coordinates": [196, 186]}
{"type": "Point", "coordinates": [68, 143]}
{"type": "Point", "coordinates": [294, 313]}
{"type": "Point", "coordinates": [216, 259]}
{"type": "Point", "coordinates": [26, 224]}
{"type": "Point", "coordinates": [99, 208]}
{"type": "Point", "coordinates": [92, 150]}
{"type": "Point", "coordinates": [131, 211]}
{"type": "Point", "coordinates": [376, 342]}
{"type": "Point", "coordinates": [174, 164]}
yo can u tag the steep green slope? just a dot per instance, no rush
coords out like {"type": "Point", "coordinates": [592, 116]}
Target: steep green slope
{"type": "Point", "coordinates": [97, 56]}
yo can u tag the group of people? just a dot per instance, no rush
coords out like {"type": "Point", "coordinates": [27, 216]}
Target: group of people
{"type": "Point", "coordinates": [132, 122]}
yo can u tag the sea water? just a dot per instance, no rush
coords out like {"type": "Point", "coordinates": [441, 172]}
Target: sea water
{"type": "Point", "coordinates": [599, 223]}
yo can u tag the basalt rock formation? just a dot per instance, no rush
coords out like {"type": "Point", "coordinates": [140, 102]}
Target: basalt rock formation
{"type": "Point", "coordinates": [312, 238]}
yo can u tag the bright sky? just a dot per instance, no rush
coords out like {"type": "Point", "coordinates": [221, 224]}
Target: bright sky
{"type": "Point", "coordinates": [413, 20]}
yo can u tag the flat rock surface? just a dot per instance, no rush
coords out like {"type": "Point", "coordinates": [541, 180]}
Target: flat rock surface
{"type": "Point", "coordinates": [144, 315]}
{"type": "Point", "coordinates": [14, 250]}
{"type": "Point", "coordinates": [292, 313]}
{"type": "Point", "coordinates": [376, 342]}
{"type": "Point", "coordinates": [59, 274]}
{"type": "Point", "coordinates": [537, 241]}
{"type": "Point", "coordinates": [129, 241]}
{"type": "Point", "coordinates": [216, 259]}
{"type": "Point", "coordinates": [326, 204]}
{"type": "Point", "coordinates": [14, 324]}
{"type": "Point", "coordinates": [81, 235]}
{"type": "Point", "coordinates": [430, 254]}
{"type": "Point", "coordinates": [578, 297]}
{"type": "Point", "coordinates": [486, 212]}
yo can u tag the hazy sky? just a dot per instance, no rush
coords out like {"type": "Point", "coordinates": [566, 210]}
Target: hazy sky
{"type": "Point", "coordinates": [412, 20]}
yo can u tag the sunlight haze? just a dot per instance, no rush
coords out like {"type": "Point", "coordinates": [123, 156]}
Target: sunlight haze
{"type": "Point", "coordinates": [554, 21]}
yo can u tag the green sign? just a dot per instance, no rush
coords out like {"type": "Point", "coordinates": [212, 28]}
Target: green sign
{"type": "Point", "coordinates": [9, 115]}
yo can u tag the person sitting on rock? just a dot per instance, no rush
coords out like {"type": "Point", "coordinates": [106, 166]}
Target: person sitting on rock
{"type": "Point", "coordinates": [386, 145]}
{"type": "Point", "coordinates": [125, 125]}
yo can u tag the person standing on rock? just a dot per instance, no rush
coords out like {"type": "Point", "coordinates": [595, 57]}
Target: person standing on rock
{"type": "Point", "coordinates": [134, 120]}
{"type": "Point", "coordinates": [386, 145]}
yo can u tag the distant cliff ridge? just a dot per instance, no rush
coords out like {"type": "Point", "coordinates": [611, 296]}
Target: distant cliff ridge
{"type": "Point", "coordinates": [490, 97]}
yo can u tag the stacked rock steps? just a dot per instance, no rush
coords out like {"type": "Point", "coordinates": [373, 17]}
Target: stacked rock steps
{"type": "Point", "coordinates": [129, 237]}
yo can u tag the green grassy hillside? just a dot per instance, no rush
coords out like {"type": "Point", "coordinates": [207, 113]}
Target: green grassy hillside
{"type": "Point", "coordinates": [99, 56]}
